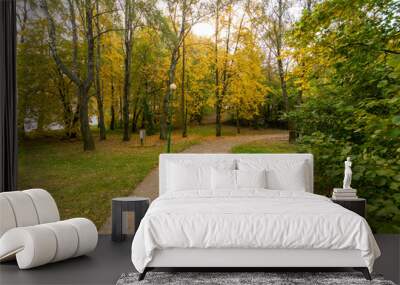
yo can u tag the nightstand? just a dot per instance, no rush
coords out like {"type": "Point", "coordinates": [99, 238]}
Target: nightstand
{"type": "Point", "coordinates": [122, 205]}
{"type": "Point", "coordinates": [357, 205]}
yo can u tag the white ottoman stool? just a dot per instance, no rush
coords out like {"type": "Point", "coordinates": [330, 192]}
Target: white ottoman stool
{"type": "Point", "coordinates": [31, 232]}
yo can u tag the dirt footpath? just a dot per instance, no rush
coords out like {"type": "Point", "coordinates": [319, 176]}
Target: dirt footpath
{"type": "Point", "coordinates": [149, 186]}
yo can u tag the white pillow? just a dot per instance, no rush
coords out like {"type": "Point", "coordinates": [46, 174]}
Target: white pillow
{"type": "Point", "coordinates": [289, 177]}
{"type": "Point", "coordinates": [205, 162]}
{"type": "Point", "coordinates": [281, 174]}
{"type": "Point", "coordinates": [251, 178]}
{"type": "Point", "coordinates": [184, 178]}
{"type": "Point", "coordinates": [223, 179]}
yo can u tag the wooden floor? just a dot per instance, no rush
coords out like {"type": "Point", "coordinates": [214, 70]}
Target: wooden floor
{"type": "Point", "coordinates": [110, 260]}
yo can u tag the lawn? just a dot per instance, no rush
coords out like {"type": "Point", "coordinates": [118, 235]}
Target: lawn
{"type": "Point", "coordinates": [265, 147]}
{"type": "Point", "coordinates": [229, 130]}
{"type": "Point", "coordinates": [83, 183]}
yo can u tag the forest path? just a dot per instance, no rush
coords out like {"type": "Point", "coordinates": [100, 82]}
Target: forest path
{"type": "Point", "coordinates": [149, 186]}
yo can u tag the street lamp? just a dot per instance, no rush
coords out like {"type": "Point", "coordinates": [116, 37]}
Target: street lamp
{"type": "Point", "coordinates": [172, 88]}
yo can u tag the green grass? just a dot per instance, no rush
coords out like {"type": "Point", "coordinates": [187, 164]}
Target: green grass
{"type": "Point", "coordinates": [83, 183]}
{"type": "Point", "coordinates": [265, 147]}
{"type": "Point", "coordinates": [228, 130]}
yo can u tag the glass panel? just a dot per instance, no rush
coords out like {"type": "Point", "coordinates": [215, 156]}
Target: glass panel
{"type": "Point", "coordinates": [128, 222]}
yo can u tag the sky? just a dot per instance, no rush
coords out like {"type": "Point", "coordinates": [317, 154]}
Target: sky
{"type": "Point", "coordinates": [207, 29]}
{"type": "Point", "coordinates": [203, 29]}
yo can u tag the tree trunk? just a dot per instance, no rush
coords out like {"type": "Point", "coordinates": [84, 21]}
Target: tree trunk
{"type": "Point", "coordinates": [112, 122]}
{"type": "Point", "coordinates": [40, 123]}
{"type": "Point", "coordinates": [279, 43]}
{"type": "Point", "coordinates": [101, 122]}
{"type": "Point", "coordinates": [164, 120]}
{"type": "Point", "coordinates": [74, 124]}
{"type": "Point", "coordinates": [183, 30]}
{"type": "Point", "coordinates": [67, 109]}
{"type": "Point", "coordinates": [128, 41]}
{"type": "Point", "coordinates": [135, 120]}
{"type": "Point", "coordinates": [183, 109]}
{"type": "Point", "coordinates": [225, 68]}
{"type": "Point", "coordinates": [22, 108]}
{"type": "Point", "coordinates": [148, 112]}
{"type": "Point", "coordinates": [134, 124]}
{"type": "Point", "coordinates": [127, 88]}
{"type": "Point", "coordinates": [75, 68]}
{"type": "Point", "coordinates": [88, 143]}
{"type": "Point", "coordinates": [63, 92]}
{"type": "Point", "coordinates": [120, 123]}
{"type": "Point", "coordinates": [218, 106]}
{"type": "Point", "coordinates": [237, 121]}
{"type": "Point", "coordinates": [84, 111]}
{"type": "Point", "coordinates": [186, 102]}
{"type": "Point", "coordinates": [148, 122]}
{"type": "Point", "coordinates": [283, 83]}
{"type": "Point", "coordinates": [23, 21]}
{"type": "Point", "coordinates": [99, 97]}
{"type": "Point", "coordinates": [135, 116]}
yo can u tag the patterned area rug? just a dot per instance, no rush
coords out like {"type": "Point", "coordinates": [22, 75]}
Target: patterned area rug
{"type": "Point", "coordinates": [236, 278]}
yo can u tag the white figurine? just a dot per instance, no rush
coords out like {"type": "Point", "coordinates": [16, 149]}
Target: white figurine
{"type": "Point", "coordinates": [347, 174]}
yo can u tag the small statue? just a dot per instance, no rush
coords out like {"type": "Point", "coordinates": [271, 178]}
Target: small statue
{"type": "Point", "coordinates": [347, 174]}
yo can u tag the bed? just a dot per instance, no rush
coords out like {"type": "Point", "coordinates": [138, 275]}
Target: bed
{"type": "Point", "coordinates": [246, 211]}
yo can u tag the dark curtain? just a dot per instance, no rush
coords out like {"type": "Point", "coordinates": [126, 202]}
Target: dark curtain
{"type": "Point", "coordinates": [8, 97]}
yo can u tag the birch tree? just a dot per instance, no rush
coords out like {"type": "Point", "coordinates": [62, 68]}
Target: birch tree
{"type": "Point", "coordinates": [83, 80]}
{"type": "Point", "coordinates": [182, 15]}
{"type": "Point", "coordinates": [135, 13]}
{"type": "Point", "coordinates": [273, 20]}
{"type": "Point", "coordinates": [224, 13]}
{"type": "Point", "coordinates": [99, 96]}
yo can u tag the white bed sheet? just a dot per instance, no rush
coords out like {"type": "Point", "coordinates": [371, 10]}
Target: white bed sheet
{"type": "Point", "coordinates": [250, 218]}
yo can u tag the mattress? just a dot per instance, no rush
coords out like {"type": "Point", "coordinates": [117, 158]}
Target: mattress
{"type": "Point", "coordinates": [250, 219]}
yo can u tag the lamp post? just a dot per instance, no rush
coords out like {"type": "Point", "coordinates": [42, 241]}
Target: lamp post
{"type": "Point", "coordinates": [172, 88]}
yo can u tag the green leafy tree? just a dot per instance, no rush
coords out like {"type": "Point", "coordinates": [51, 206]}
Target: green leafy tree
{"type": "Point", "coordinates": [348, 52]}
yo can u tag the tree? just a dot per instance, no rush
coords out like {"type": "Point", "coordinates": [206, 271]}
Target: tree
{"type": "Point", "coordinates": [308, 4]}
{"type": "Point", "coordinates": [273, 21]}
{"type": "Point", "coordinates": [135, 14]}
{"type": "Point", "coordinates": [277, 39]}
{"type": "Point", "coordinates": [246, 90]}
{"type": "Point", "coordinates": [222, 67]}
{"type": "Point", "coordinates": [83, 83]}
{"type": "Point", "coordinates": [99, 97]}
{"type": "Point", "coordinates": [129, 15]}
{"type": "Point", "coordinates": [182, 15]}
{"type": "Point", "coordinates": [198, 82]}
{"type": "Point", "coordinates": [175, 37]}
{"type": "Point", "coordinates": [183, 87]}
{"type": "Point", "coordinates": [348, 53]}
{"type": "Point", "coordinates": [218, 99]}
{"type": "Point", "coordinates": [111, 74]}
{"type": "Point", "coordinates": [149, 70]}
{"type": "Point", "coordinates": [22, 20]}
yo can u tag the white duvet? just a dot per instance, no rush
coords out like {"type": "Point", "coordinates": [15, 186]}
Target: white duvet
{"type": "Point", "coordinates": [250, 219]}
